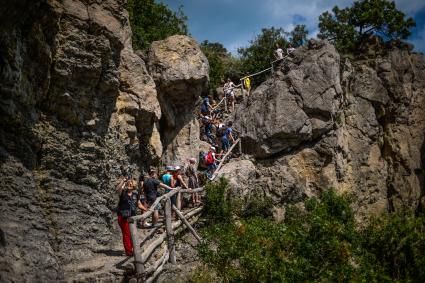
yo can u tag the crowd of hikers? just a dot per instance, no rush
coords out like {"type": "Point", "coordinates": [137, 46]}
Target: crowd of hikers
{"type": "Point", "coordinates": [220, 134]}
{"type": "Point", "coordinates": [143, 193]}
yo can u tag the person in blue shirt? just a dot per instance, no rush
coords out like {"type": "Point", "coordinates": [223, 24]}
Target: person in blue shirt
{"type": "Point", "coordinates": [227, 136]}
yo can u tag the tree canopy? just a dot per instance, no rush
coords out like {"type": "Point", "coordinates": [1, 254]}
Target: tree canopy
{"type": "Point", "coordinates": [298, 35]}
{"type": "Point", "coordinates": [258, 55]}
{"type": "Point", "coordinates": [350, 27]}
{"type": "Point", "coordinates": [222, 63]}
{"type": "Point", "coordinates": [152, 21]}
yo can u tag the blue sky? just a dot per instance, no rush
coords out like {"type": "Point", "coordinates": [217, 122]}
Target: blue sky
{"type": "Point", "coordinates": [235, 22]}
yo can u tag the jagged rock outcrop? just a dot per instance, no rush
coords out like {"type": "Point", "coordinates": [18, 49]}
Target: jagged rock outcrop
{"type": "Point", "coordinates": [357, 126]}
{"type": "Point", "coordinates": [76, 104]}
{"type": "Point", "coordinates": [181, 73]}
{"type": "Point", "coordinates": [294, 107]}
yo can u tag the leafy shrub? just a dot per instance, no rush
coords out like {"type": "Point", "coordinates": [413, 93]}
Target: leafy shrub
{"type": "Point", "coordinates": [395, 246]}
{"type": "Point", "coordinates": [320, 243]}
{"type": "Point", "coordinates": [218, 206]}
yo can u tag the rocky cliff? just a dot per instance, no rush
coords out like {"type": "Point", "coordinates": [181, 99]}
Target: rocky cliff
{"type": "Point", "coordinates": [77, 105]}
{"type": "Point", "coordinates": [321, 121]}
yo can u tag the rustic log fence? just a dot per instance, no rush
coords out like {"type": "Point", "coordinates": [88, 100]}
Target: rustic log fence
{"type": "Point", "coordinates": [143, 249]}
{"type": "Point", "coordinates": [237, 142]}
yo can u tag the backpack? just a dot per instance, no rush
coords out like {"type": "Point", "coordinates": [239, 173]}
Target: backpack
{"type": "Point", "coordinates": [221, 131]}
{"type": "Point", "coordinates": [209, 159]}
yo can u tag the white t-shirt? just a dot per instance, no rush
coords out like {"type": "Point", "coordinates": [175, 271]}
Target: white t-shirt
{"type": "Point", "coordinates": [228, 88]}
{"type": "Point", "coordinates": [279, 53]}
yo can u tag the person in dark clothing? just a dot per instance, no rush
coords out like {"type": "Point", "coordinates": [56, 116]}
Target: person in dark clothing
{"type": "Point", "coordinates": [150, 187]}
{"type": "Point", "coordinates": [206, 106]}
{"type": "Point", "coordinates": [208, 128]}
{"type": "Point", "coordinates": [128, 203]}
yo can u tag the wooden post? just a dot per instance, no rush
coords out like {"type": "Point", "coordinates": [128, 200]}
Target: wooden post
{"type": "Point", "coordinates": [240, 147]}
{"type": "Point", "coordinates": [169, 229]}
{"type": "Point", "coordinates": [179, 200]}
{"type": "Point", "coordinates": [136, 249]}
{"type": "Point", "coordinates": [181, 216]}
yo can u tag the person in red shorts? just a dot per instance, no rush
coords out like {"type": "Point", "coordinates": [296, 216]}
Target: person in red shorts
{"type": "Point", "coordinates": [128, 203]}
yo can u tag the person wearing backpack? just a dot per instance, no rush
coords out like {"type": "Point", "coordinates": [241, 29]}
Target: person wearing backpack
{"type": "Point", "coordinates": [206, 106]}
{"type": "Point", "coordinates": [129, 201]}
{"type": "Point", "coordinates": [229, 93]}
{"type": "Point", "coordinates": [210, 160]}
{"type": "Point", "coordinates": [207, 120]}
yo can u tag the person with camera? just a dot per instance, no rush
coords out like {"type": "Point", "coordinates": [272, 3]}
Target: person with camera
{"type": "Point", "coordinates": [129, 201]}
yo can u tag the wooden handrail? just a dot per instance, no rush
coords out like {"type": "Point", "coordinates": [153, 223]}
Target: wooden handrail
{"type": "Point", "coordinates": [159, 199]}
{"type": "Point", "coordinates": [224, 158]}
{"type": "Point", "coordinates": [182, 218]}
{"type": "Point", "coordinates": [157, 243]}
{"type": "Point", "coordinates": [221, 101]}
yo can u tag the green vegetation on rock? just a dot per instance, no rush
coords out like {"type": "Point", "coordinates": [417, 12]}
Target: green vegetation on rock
{"type": "Point", "coordinates": [152, 21]}
{"type": "Point", "coordinates": [318, 243]}
{"type": "Point", "coordinates": [222, 64]}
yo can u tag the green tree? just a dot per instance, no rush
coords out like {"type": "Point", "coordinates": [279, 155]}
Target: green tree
{"type": "Point", "coordinates": [318, 243]}
{"type": "Point", "coordinates": [298, 35]}
{"type": "Point", "coordinates": [152, 21]}
{"type": "Point", "coordinates": [350, 27]}
{"type": "Point", "coordinates": [222, 63]}
{"type": "Point", "coordinates": [258, 55]}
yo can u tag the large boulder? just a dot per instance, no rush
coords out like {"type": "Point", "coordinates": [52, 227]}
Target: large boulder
{"type": "Point", "coordinates": [293, 106]}
{"type": "Point", "coordinates": [239, 173]}
{"type": "Point", "coordinates": [181, 74]}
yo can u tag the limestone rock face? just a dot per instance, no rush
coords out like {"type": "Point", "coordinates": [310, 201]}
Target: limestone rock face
{"type": "Point", "coordinates": [292, 108]}
{"type": "Point", "coordinates": [239, 173]}
{"type": "Point", "coordinates": [76, 104]}
{"type": "Point", "coordinates": [181, 73]}
{"type": "Point", "coordinates": [311, 129]}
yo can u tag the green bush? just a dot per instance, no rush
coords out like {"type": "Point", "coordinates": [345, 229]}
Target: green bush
{"type": "Point", "coordinates": [320, 243]}
{"type": "Point", "coordinates": [395, 246]}
{"type": "Point", "coordinates": [218, 205]}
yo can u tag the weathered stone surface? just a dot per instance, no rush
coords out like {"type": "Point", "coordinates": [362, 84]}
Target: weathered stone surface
{"type": "Point", "coordinates": [292, 108]}
{"type": "Point", "coordinates": [363, 135]}
{"type": "Point", "coordinates": [181, 73]}
{"type": "Point", "coordinates": [76, 103]}
{"type": "Point", "coordinates": [240, 174]}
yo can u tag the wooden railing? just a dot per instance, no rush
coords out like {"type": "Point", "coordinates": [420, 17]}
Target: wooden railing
{"type": "Point", "coordinates": [238, 141]}
{"type": "Point", "coordinates": [143, 250]}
